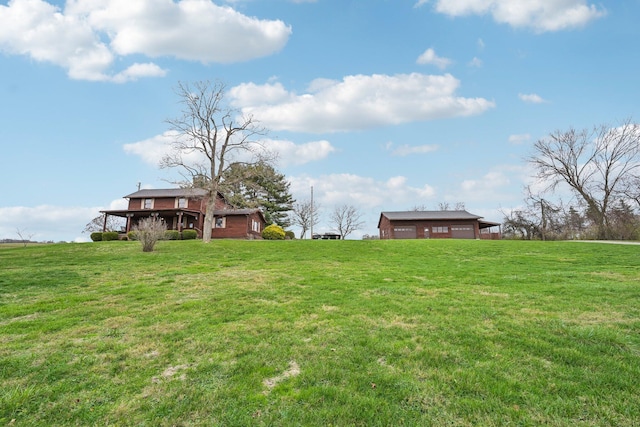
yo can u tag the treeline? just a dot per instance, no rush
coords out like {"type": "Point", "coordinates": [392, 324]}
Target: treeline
{"type": "Point", "coordinates": [600, 168]}
{"type": "Point", "coordinates": [546, 221]}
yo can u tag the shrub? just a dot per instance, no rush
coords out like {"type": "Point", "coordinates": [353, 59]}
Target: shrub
{"type": "Point", "coordinates": [289, 235]}
{"type": "Point", "coordinates": [149, 231]}
{"type": "Point", "coordinates": [132, 235]}
{"type": "Point", "coordinates": [110, 235]}
{"type": "Point", "coordinates": [189, 234]}
{"type": "Point", "coordinates": [273, 232]}
{"type": "Point", "coordinates": [96, 237]}
{"type": "Point", "coordinates": [172, 235]}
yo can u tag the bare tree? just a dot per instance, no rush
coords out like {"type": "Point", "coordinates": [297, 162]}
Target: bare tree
{"type": "Point", "coordinates": [346, 219]}
{"type": "Point", "coordinates": [445, 206]}
{"type": "Point", "coordinates": [109, 223]}
{"type": "Point", "coordinates": [545, 211]}
{"type": "Point", "coordinates": [305, 215]}
{"type": "Point", "coordinates": [632, 189]}
{"type": "Point", "coordinates": [517, 224]}
{"type": "Point", "coordinates": [210, 136]}
{"type": "Point", "coordinates": [597, 164]}
{"type": "Point", "coordinates": [148, 231]}
{"type": "Point", "coordinates": [24, 237]}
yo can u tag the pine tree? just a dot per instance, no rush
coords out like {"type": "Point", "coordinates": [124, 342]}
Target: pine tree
{"type": "Point", "coordinates": [259, 186]}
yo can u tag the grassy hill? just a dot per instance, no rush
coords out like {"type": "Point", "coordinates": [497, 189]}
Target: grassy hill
{"type": "Point", "coordinates": [320, 333]}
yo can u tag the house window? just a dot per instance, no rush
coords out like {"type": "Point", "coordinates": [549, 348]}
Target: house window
{"type": "Point", "coordinates": [148, 203]}
{"type": "Point", "coordinates": [182, 202]}
{"type": "Point", "coordinates": [255, 226]}
{"type": "Point", "coordinates": [220, 222]}
{"type": "Point", "coordinates": [444, 229]}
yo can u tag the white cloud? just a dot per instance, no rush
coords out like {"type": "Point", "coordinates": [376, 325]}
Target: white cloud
{"type": "Point", "coordinates": [539, 15]}
{"type": "Point", "coordinates": [88, 35]}
{"type": "Point", "coordinates": [153, 149]}
{"type": "Point", "coordinates": [519, 139]}
{"type": "Point", "coordinates": [357, 102]}
{"type": "Point", "coordinates": [46, 222]}
{"type": "Point", "coordinates": [137, 71]}
{"type": "Point", "coordinates": [362, 192]}
{"type": "Point", "coordinates": [199, 29]}
{"type": "Point", "coordinates": [531, 98]}
{"type": "Point", "coordinates": [499, 185]}
{"type": "Point", "coordinates": [39, 30]}
{"type": "Point", "coordinates": [488, 182]}
{"type": "Point", "coordinates": [429, 57]}
{"type": "Point", "coordinates": [475, 62]}
{"type": "Point", "coordinates": [289, 153]}
{"type": "Point", "coordinates": [407, 150]}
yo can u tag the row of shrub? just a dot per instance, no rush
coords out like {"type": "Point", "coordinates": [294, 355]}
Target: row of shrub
{"type": "Point", "coordinates": [168, 235]}
{"type": "Point", "coordinates": [271, 232]}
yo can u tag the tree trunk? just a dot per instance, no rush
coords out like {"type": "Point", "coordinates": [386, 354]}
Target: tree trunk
{"type": "Point", "coordinates": [208, 219]}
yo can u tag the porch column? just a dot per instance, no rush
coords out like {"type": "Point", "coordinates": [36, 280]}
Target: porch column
{"type": "Point", "coordinates": [129, 216]}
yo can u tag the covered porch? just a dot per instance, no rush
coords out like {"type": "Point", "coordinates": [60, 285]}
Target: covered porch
{"type": "Point", "coordinates": [490, 230]}
{"type": "Point", "coordinates": [176, 219]}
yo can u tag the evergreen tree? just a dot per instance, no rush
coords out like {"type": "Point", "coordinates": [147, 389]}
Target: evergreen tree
{"type": "Point", "coordinates": [259, 186]}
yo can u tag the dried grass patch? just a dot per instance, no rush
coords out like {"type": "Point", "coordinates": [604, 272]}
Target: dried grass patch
{"type": "Point", "coordinates": [292, 371]}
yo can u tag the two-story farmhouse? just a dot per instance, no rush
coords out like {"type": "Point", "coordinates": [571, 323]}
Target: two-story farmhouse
{"type": "Point", "coordinates": [185, 208]}
{"type": "Point", "coordinates": [436, 225]}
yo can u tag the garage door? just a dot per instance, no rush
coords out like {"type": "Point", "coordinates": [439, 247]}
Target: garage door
{"type": "Point", "coordinates": [462, 232]}
{"type": "Point", "coordinates": [404, 232]}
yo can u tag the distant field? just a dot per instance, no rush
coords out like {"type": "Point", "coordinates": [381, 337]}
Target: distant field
{"type": "Point", "coordinates": [20, 245]}
{"type": "Point", "coordinates": [367, 333]}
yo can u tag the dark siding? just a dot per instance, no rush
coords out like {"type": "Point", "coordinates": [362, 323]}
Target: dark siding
{"type": "Point", "coordinates": [431, 233]}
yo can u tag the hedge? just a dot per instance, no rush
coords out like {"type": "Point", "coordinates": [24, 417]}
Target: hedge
{"type": "Point", "coordinates": [172, 235]}
{"type": "Point", "coordinates": [110, 235]}
{"type": "Point", "coordinates": [189, 234]}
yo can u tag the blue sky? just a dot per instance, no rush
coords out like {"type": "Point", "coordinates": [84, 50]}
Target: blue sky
{"type": "Point", "coordinates": [384, 105]}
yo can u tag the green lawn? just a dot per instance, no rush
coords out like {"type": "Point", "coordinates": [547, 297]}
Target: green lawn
{"type": "Point", "coordinates": [370, 333]}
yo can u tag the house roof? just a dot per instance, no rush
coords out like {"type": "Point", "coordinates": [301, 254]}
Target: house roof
{"type": "Point", "coordinates": [168, 192]}
{"type": "Point", "coordinates": [428, 215]}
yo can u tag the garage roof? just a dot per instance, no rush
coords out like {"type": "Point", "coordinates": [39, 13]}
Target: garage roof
{"type": "Point", "coordinates": [435, 215]}
{"type": "Point", "coordinates": [429, 215]}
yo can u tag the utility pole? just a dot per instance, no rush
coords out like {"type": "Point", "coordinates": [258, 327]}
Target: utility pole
{"type": "Point", "coordinates": [544, 219]}
{"type": "Point", "coordinates": [311, 212]}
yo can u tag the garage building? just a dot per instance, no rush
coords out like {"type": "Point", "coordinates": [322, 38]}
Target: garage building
{"type": "Point", "coordinates": [436, 225]}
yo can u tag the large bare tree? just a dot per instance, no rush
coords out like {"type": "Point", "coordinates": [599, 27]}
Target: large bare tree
{"type": "Point", "coordinates": [598, 164]}
{"type": "Point", "coordinates": [305, 215]}
{"type": "Point", "coordinates": [104, 223]}
{"type": "Point", "coordinates": [209, 137]}
{"type": "Point", "coordinates": [346, 219]}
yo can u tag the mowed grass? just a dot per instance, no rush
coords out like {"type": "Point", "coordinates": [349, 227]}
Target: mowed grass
{"type": "Point", "coordinates": [369, 333]}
